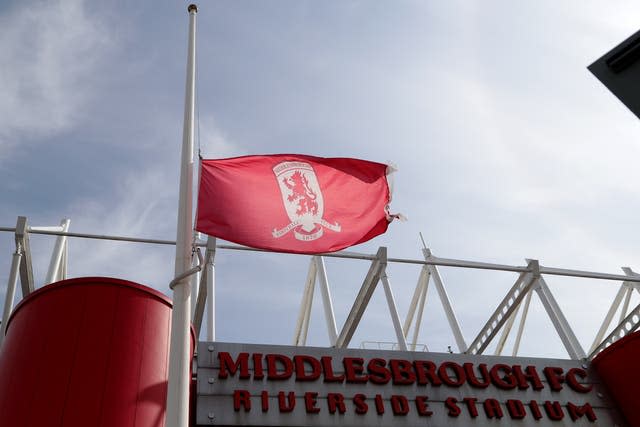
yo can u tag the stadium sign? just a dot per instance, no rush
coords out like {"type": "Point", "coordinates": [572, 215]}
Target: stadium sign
{"type": "Point", "coordinates": [262, 385]}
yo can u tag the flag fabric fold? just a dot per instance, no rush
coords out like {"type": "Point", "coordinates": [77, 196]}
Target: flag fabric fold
{"type": "Point", "coordinates": [293, 203]}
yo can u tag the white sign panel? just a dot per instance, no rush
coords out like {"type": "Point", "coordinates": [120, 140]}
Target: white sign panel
{"type": "Point", "coordinates": [264, 385]}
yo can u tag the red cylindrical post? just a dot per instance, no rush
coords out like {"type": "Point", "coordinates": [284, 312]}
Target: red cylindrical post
{"type": "Point", "coordinates": [87, 352]}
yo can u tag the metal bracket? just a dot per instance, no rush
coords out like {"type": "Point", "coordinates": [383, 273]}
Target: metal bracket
{"type": "Point", "coordinates": [189, 272]}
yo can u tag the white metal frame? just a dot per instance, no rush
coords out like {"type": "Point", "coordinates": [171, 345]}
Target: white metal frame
{"type": "Point", "coordinates": [502, 319]}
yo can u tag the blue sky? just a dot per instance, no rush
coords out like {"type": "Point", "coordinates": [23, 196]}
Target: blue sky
{"type": "Point", "coordinates": [507, 147]}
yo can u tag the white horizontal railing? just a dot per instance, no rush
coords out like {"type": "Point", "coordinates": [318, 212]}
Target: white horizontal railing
{"type": "Point", "coordinates": [503, 317]}
{"type": "Point", "coordinates": [443, 262]}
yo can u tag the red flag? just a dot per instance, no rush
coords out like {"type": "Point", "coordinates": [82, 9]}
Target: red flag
{"type": "Point", "coordinates": [293, 203]}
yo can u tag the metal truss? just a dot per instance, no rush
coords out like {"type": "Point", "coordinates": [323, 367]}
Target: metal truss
{"type": "Point", "coordinates": [316, 270]}
{"type": "Point", "coordinates": [629, 321]}
{"type": "Point", "coordinates": [504, 317]}
{"type": "Point", "coordinates": [21, 266]}
{"type": "Point", "coordinates": [502, 321]}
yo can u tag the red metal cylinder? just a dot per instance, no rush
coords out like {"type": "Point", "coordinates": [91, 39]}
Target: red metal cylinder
{"type": "Point", "coordinates": [87, 352]}
{"type": "Point", "coordinates": [618, 368]}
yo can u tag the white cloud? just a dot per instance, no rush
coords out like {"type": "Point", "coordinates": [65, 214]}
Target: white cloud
{"type": "Point", "coordinates": [214, 142]}
{"type": "Point", "coordinates": [50, 54]}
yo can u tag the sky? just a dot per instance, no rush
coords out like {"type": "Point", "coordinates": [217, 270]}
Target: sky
{"type": "Point", "coordinates": [506, 146]}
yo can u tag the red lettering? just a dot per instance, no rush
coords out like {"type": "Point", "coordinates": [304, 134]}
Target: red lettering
{"type": "Point", "coordinates": [554, 377]}
{"type": "Point", "coordinates": [353, 368]}
{"type": "Point", "coordinates": [529, 375]}
{"type": "Point", "coordinates": [516, 409]}
{"type": "Point", "coordinates": [286, 405]}
{"type": "Point", "coordinates": [458, 371]}
{"type": "Point", "coordinates": [359, 402]}
{"type": "Point", "coordinates": [241, 399]}
{"type": "Point", "coordinates": [301, 374]}
{"type": "Point", "coordinates": [492, 408]}
{"type": "Point", "coordinates": [335, 401]}
{"type": "Point", "coordinates": [227, 364]}
{"type": "Point", "coordinates": [535, 410]}
{"type": "Point", "coordinates": [426, 372]}
{"type": "Point", "coordinates": [471, 406]}
{"type": "Point", "coordinates": [265, 401]}
{"type": "Point", "coordinates": [379, 404]}
{"type": "Point", "coordinates": [576, 411]}
{"type": "Point", "coordinates": [310, 400]}
{"type": "Point", "coordinates": [450, 404]}
{"type": "Point", "coordinates": [378, 373]}
{"type": "Point", "coordinates": [399, 404]}
{"type": "Point", "coordinates": [573, 382]}
{"type": "Point", "coordinates": [506, 381]}
{"type": "Point", "coordinates": [422, 406]}
{"type": "Point", "coordinates": [473, 379]}
{"type": "Point", "coordinates": [272, 367]}
{"type": "Point", "coordinates": [258, 373]}
{"type": "Point", "coordinates": [327, 368]}
{"type": "Point", "coordinates": [402, 371]}
{"type": "Point", "coordinates": [553, 410]}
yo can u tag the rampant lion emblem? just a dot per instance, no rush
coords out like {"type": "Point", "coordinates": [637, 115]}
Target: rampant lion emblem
{"type": "Point", "coordinates": [302, 200]}
{"type": "Point", "coordinates": [301, 193]}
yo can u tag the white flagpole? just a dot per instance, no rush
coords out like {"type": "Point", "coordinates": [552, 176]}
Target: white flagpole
{"type": "Point", "coordinates": [179, 350]}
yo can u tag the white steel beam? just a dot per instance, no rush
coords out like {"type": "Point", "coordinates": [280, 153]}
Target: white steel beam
{"type": "Point", "coordinates": [523, 319]}
{"type": "Point", "coordinates": [506, 330]}
{"type": "Point", "coordinates": [305, 305]}
{"type": "Point", "coordinates": [421, 304]}
{"type": "Point", "coordinates": [11, 291]}
{"type": "Point", "coordinates": [424, 275]}
{"type": "Point", "coordinates": [609, 317]}
{"type": "Point", "coordinates": [64, 261]}
{"type": "Point", "coordinates": [559, 321]}
{"type": "Point", "coordinates": [196, 281]}
{"type": "Point", "coordinates": [53, 274]}
{"type": "Point", "coordinates": [307, 317]}
{"type": "Point", "coordinates": [326, 301]}
{"type": "Point", "coordinates": [625, 305]}
{"type": "Point", "coordinates": [393, 310]}
{"type": "Point", "coordinates": [26, 269]}
{"type": "Point", "coordinates": [206, 295]}
{"type": "Point", "coordinates": [201, 298]}
{"type": "Point", "coordinates": [211, 290]}
{"type": "Point", "coordinates": [513, 298]}
{"type": "Point", "coordinates": [446, 303]}
{"type": "Point", "coordinates": [362, 299]}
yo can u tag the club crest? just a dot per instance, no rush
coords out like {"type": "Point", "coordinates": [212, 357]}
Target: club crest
{"type": "Point", "coordinates": [302, 200]}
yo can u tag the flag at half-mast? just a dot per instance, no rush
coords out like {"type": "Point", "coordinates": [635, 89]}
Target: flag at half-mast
{"type": "Point", "coordinates": [293, 203]}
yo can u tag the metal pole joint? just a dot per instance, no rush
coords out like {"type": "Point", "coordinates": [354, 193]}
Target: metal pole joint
{"type": "Point", "coordinates": [189, 272]}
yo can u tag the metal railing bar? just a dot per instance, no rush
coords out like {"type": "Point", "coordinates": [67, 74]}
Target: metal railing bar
{"type": "Point", "coordinates": [444, 262]}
